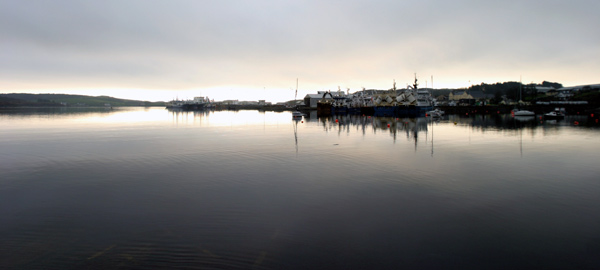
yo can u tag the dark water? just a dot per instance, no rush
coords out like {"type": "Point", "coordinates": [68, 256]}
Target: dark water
{"type": "Point", "coordinates": [135, 188]}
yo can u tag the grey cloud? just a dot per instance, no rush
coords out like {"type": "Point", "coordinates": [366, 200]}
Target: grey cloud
{"type": "Point", "coordinates": [211, 42]}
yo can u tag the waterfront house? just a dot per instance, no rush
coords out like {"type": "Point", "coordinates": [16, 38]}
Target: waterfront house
{"type": "Point", "coordinates": [459, 94]}
{"type": "Point", "coordinates": [311, 100]}
{"type": "Point", "coordinates": [465, 97]}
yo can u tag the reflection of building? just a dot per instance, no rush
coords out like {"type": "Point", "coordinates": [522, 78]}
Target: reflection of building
{"type": "Point", "coordinates": [396, 127]}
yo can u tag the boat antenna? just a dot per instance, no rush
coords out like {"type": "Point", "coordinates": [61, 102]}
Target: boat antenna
{"type": "Point", "coordinates": [520, 91]}
{"type": "Point", "coordinates": [296, 95]}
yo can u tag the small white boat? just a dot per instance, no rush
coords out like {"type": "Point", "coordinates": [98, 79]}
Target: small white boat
{"type": "Point", "coordinates": [297, 114]}
{"type": "Point", "coordinates": [556, 114]}
{"type": "Point", "coordinates": [517, 112]}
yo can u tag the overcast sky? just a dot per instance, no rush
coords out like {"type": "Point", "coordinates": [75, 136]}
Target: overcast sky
{"type": "Point", "coordinates": [250, 50]}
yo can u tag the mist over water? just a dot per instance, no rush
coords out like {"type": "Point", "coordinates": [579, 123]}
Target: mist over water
{"type": "Point", "coordinates": [137, 188]}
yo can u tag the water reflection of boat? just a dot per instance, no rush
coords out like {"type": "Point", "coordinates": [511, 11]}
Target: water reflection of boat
{"type": "Point", "coordinates": [296, 133]}
{"type": "Point", "coordinates": [435, 113]}
{"type": "Point", "coordinates": [524, 118]}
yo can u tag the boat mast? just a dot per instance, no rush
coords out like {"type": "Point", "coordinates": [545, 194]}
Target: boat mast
{"type": "Point", "coordinates": [520, 91]}
{"type": "Point", "coordinates": [415, 84]}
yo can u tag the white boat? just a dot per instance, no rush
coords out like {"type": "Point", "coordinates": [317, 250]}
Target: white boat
{"type": "Point", "coordinates": [517, 112]}
{"type": "Point", "coordinates": [297, 114]}
{"type": "Point", "coordinates": [556, 114]}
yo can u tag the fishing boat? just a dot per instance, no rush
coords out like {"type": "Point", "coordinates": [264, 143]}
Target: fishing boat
{"type": "Point", "coordinates": [411, 101]}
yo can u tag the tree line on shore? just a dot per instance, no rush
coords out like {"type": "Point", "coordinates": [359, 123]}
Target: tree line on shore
{"type": "Point", "coordinates": [525, 92]}
{"type": "Point", "coordinates": [65, 100]}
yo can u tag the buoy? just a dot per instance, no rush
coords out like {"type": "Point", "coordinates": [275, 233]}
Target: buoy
{"type": "Point", "coordinates": [466, 113]}
{"type": "Point", "coordinates": [301, 121]}
{"type": "Point", "coordinates": [592, 115]}
{"type": "Point", "coordinates": [388, 125]}
{"type": "Point", "coordinates": [498, 112]}
{"type": "Point", "coordinates": [336, 120]}
{"type": "Point", "coordinates": [455, 123]}
{"type": "Point", "coordinates": [576, 123]}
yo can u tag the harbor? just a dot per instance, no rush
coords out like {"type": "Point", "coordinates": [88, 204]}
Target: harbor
{"type": "Point", "coordinates": [413, 101]}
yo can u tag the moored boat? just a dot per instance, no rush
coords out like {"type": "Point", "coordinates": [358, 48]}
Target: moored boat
{"type": "Point", "coordinates": [518, 112]}
{"type": "Point", "coordinates": [297, 114]}
{"type": "Point", "coordinates": [411, 101]}
{"type": "Point", "coordinates": [556, 114]}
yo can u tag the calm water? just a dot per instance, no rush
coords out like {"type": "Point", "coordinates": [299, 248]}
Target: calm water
{"type": "Point", "coordinates": [135, 188]}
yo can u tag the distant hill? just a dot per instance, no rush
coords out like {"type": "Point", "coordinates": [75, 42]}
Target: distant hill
{"type": "Point", "coordinates": [64, 100]}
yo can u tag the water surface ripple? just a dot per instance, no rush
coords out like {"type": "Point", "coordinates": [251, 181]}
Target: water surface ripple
{"type": "Point", "coordinates": [136, 188]}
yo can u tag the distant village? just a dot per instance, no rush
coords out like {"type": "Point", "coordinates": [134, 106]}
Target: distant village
{"type": "Point", "coordinates": [474, 96]}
